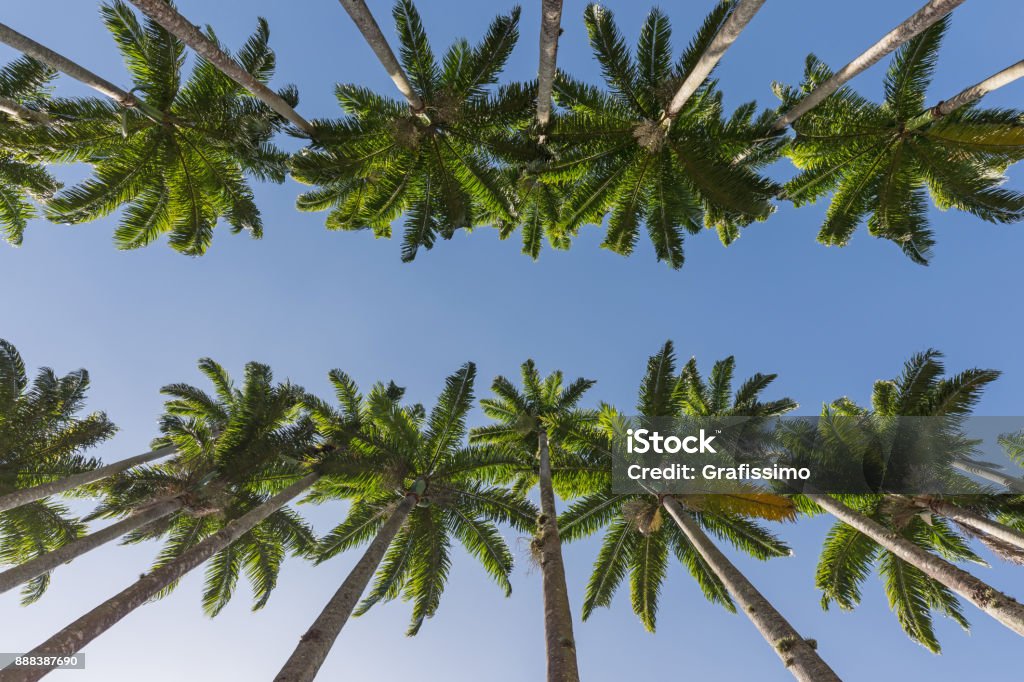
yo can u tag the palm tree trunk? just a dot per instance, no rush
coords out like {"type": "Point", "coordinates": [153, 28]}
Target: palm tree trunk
{"type": "Point", "coordinates": [915, 24]}
{"type": "Point", "coordinates": [184, 30]}
{"type": "Point", "coordinates": [726, 36]}
{"type": "Point", "coordinates": [45, 563]}
{"type": "Point", "coordinates": [969, 95]}
{"type": "Point", "coordinates": [93, 624]}
{"type": "Point", "coordinates": [550, 29]}
{"type": "Point", "coordinates": [1003, 608]}
{"type": "Point", "coordinates": [38, 492]}
{"type": "Point", "coordinates": [23, 113]}
{"type": "Point", "coordinates": [61, 63]}
{"type": "Point", "coordinates": [797, 653]}
{"type": "Point", "coordinates": [977, 521]}
{"type": "Point", "coordinates": [367, 25]}
{"type": "Point", "coordinates": [1010, 482]}
{"type": "Point", "coordinates": [315, 645]}
{"type": "Point", "coordinates": [558, 636]}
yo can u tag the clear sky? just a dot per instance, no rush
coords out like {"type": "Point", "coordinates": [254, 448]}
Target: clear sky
{"type": "Point", "coordinates": [305, 300]}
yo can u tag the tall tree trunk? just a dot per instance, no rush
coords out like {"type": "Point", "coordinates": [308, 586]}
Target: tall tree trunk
{"type": "Point", "coordinates": [78, 634]}
{"type": "Point", "coordinates": [550, 29]}
{"type": "Point", "coordinates": [367, 25]}
{"type": "Point", "coordinates": [45, 563]}
{"type": "Point", "coordinates": [315, 645]}
{"type": "Point", "coordinates": [726, 36]}
{"type": "Point", "coordinates": [969, 95]}
{"type": "Point", "coordinates": [23, 113]}
{"type": "Point", "coordinates": [61, 63]}
{"type": "Point", "coordinates": [915, 24]}
{"type": "Point", "coordinates": [977, 521]}
{"type": "Point", "coordinates": [558, 636]}
{"type": "Point", "coordinates": [1010, 482]}
{"type": "Point", "coordinates": [798, 655]}
{"type": "Point", "coordinates": [1003, 608]}
{"type": "Point", "coordinates": [38, 492]}
{"type": "Point", "coordinates": [164, 14]}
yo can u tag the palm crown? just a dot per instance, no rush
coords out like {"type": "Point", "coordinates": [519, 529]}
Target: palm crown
{"type": "Point", "coordinates": [43, 437]}
{"type": "Point", "coordinates": [848, 557]}
{"type": "Point", "coordinates": [621, 151]}
{"type": "Point", "coordinates": [22, 174]}
{"type": "Point", "coordinates": [180, 157]}
{"type": "Point", "coordinates": [881, 160]}
{"type": "Point", "coordinates": [394, 450]}
{"type": "Point", "coordinates": [235, 448]}
{"type": "Point", "coordinates": [437, 165]}
{"type": "Point", "coordinates": [636, 540]}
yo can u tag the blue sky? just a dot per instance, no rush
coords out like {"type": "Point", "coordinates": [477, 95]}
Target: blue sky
{"type": "Point", "coordinates": [305, 300]}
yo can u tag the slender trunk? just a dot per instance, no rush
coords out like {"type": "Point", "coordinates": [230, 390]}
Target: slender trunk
{"type": "Point", "coordinates": [977, 521]}
{"type": "Point", "coordinates": [797, 653]}
{"type": "Point", "coordinates": [23, 113]}
{"type": "Point", "coordinates": [367, 25]}
{"type": "Point", "coordinates": [45, 563]}
{"type": "Point", "coordinates": [61, 63]}
{"type": "Point", "coordinates": [915, 24]}
{"type": "Point", "coordinates": [315, 645]}
{"type": "Point", "coordinates": [1003, 608]}
{"type": "Point", "coordinates": [93, 624]}
{"type": "Point", "coordinates": [558, 636]}
{"type": "Point", "coordinates": [38, 492]}
{"type": "Point", "coordinates": [164, 14]}
{"type": "Point", "coordinates": [969, 95]}
{"type": "Point", "coordinates": [1010, 482]}
{"type": "Point", "coordinates": [726, 36]}
{"type": "Point", "coordinates": [550, 29]}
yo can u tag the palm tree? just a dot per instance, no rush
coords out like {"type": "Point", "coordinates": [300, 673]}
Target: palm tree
{"type": "Point", "coordinates": [933, 11]}
{"type": "Point", "coordinates": [436, 166]}
{"type": "Point", "coordinates": [242, 456]}
{"type": "Point", "coordinates": [22, 91]}
{"type": "Point", "coordinates": [164, 13]}
{"type": "Point", "coordinates": [888, 531]}
{"type": "Point", "coordinates": [194, 483]}
{"type": "Point", "coordinates": [879, 160]}
{"type": "Point", "coordinates": [414, 487]}
{"type": "Point", "coordinates": [630, 152]}
{"type": "Point", "coordinates": [180, 157]}
{"type": "Point", "coordinates": [531, 422]}
{"type": "Point", "coordinates": [637, 540]}
{"type": "Point", "coordinates": [43, 436]}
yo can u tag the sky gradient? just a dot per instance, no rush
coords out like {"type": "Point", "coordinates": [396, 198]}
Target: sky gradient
{"type": "Point", "coordinates": [304, 300]}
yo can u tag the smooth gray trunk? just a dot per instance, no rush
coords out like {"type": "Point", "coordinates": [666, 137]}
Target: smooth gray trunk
{"type": "Point", "coordinates": [78, 634]}
{"type": "Point", "coordinates": [1000, 606]}
{"type": "Point", "coordinates": [550, 29]}
{"type": "Point", "coordinates": [914, 25]}
{"type": "Point", "coordinates": [977, 521]}
{"type": "Point", "coordinates": [315, 645]}
{"type": "Point", "coordinates": [26, 45]}
{"type": "Point", "coordinates": [367, 25]}
{"type": "Point", "coordinates": [558, 635]}
{"type": "Point", "coordinates": [23, 113]}
{"type": "Point", "coordinates": [45, 563]}
{"type": "Point", "coordinates": [726, 36]}
{"type": "Point", "coordinates": [798, 655]}
{"type": "Point", "coordinates": [188, 33]}
{"type": "Point", "coordinates": [38, 492]}
{"type": "Point", "coordinates": [979, 90]}
{"type": "Point", "coordinates": [1010, 482]}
